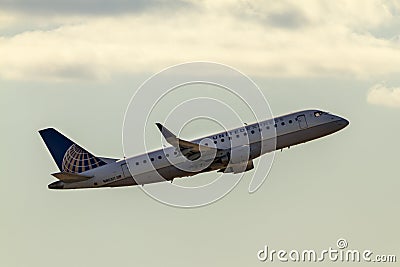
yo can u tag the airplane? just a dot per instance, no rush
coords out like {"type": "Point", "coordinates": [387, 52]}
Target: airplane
{"type": "Point", "coordinates": [228, 152]}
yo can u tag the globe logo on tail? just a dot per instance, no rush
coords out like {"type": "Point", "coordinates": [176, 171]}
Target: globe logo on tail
{"type": "Point", "coordinates": [77, 160]}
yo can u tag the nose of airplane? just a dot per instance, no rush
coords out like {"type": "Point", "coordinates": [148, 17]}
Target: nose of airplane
{"type": "Point", "coordinates": [342, 122]}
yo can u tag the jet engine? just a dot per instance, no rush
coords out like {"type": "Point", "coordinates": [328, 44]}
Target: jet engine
{"type": "Point", "coordinates": [239, 167]}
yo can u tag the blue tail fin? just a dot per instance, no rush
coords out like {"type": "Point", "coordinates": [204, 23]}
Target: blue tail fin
{"type": "Point", "coordinates": [69, 156]}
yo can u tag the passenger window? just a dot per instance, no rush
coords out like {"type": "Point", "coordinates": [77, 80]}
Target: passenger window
{"type": "Point", "coordinates": [290, 121]}
{"type": "Point", "coordinates": [222, 140]}
{"type": "Point", "coordinates": [283, 123]}
{"type": "Point", "coordinates": [159, 157]}
{"type": "Point", "coordinates": [252, 131]}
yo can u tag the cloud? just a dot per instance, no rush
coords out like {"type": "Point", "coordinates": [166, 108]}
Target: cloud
{"type": "Point", "coordinates": [86, 7]}
{"type": "Point", "coordinates": [381, 95]}
{"type": "Point", "coordinates": [274, 39]}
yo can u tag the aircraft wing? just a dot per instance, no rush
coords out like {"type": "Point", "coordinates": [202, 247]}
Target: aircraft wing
{"type": "Point", "coordinates": [68, 177]}
{"type": "Point", "coordinates": [190, 150]}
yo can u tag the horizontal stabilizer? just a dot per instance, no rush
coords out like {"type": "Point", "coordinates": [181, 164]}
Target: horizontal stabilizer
{"type": "Point", "coordinates": [67, 177]}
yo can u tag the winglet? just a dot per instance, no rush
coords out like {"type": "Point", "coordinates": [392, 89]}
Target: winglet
{"type": "Point", "coordinates": [160, 126]}
{"type": "Point", "coordinates": [168, 135]}
{"type": "Point", "coordinates": [190, 150]}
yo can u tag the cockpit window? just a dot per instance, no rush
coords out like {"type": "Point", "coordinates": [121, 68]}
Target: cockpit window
{"type": "Point", "coordinates": [318, 113]}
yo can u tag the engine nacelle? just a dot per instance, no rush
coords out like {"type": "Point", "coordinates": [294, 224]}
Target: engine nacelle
{"type": "Point", "coordinates": [239, 167]}
{"type": "Point", "coordinates": [239, 155]}
{"type": "Point", "coordinates": [237, 160]}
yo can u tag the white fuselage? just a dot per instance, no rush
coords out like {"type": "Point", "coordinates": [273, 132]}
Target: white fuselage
{"type": "Point", "coordinates": [163, 164]}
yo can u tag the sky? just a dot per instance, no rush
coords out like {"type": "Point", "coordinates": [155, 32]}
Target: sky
{"type": "Point", "coordinates": [74, 66]}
